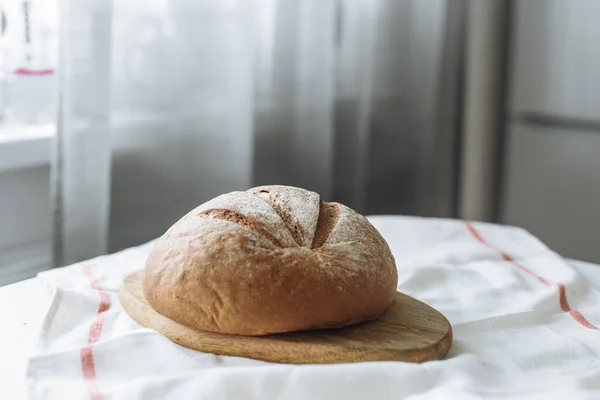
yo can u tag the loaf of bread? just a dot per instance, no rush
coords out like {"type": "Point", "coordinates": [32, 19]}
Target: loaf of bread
{"type": "Point", "coordinates": [268, 260]}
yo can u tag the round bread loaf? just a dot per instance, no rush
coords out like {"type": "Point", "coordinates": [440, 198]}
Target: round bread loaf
{"type": "Point", "coordinates": [268, 260]}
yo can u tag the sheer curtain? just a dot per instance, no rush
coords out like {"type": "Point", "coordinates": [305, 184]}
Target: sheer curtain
{"type": "Point", "coordinates": [165, 104]}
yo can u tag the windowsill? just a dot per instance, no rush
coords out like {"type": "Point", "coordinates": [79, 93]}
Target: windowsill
{"type": "Point", "coordinates": [27, 146]}
{"type": "Point", "coordinates": [24, 146]}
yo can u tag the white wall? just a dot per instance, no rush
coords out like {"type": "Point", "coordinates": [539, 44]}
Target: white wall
{"type": "Point", "coordinates": [25, 223]}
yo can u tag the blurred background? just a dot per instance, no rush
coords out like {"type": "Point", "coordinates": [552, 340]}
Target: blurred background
{"type": "Point", "coordinates": [116, 118]}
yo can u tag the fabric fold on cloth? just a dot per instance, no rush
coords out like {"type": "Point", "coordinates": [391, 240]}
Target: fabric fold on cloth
{"type": "Point", "coordinates": [525, 326]}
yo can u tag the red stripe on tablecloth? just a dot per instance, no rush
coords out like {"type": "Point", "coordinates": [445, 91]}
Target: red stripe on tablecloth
{"type": "Point", "coordinates": [87, 357]}
{"type": "Point", "coordinates": [564, 304]}
{"type": "Point", "coordinates": [89, 373]}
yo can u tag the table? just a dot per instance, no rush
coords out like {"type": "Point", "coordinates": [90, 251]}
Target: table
{"type": "Point", "coordinates": [22, 308]}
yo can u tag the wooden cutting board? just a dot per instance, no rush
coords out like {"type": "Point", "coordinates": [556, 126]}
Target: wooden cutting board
{"type": "Point", "coordinates": [408, 331]}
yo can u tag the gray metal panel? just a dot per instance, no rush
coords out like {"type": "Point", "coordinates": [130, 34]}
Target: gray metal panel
{"type": "Point", "coordinates": [552, 187]}
{"type": "Point", "coordinates": [396, 107]}
{"type": "Point", "coordinates": [556, 58]}
{"type": "Point", "coordinates": [412, 125]}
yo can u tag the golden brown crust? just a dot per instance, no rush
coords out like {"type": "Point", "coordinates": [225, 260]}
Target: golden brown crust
{"type": "Point", "coordinates": [229, 267]}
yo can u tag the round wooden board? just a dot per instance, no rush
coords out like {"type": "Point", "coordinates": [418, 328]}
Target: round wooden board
{"type": "Point", "coordinates": [408, 331]}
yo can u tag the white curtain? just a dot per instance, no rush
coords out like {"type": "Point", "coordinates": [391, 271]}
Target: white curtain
{"type": "Point", "coordinates": [167, 103]}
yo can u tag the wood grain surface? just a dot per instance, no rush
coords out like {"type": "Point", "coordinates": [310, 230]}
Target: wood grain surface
{"type": "Point", "coordinates": [408, 331]}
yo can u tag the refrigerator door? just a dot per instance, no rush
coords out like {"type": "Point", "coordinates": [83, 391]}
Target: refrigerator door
{"type": "Point", "coordinates": [556, 59]}
{"type": "Point", "coordinates": [552, 187]}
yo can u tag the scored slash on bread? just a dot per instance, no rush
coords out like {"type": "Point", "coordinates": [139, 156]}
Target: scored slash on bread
{"type": "Point", "coordinates": [328, 216]}
{"type": "Point", "coordinates": [329, 213]}
{"type": "Point", "coordinates": [284, 212]}
{"type": "Point", "coordinates": [268, 260]}
{"type": "Point", "coordinates": [242, 220]}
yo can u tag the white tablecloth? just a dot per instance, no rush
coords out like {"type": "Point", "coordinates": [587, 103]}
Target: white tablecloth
{"type": "Point", "coordinates": [525, 324]}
